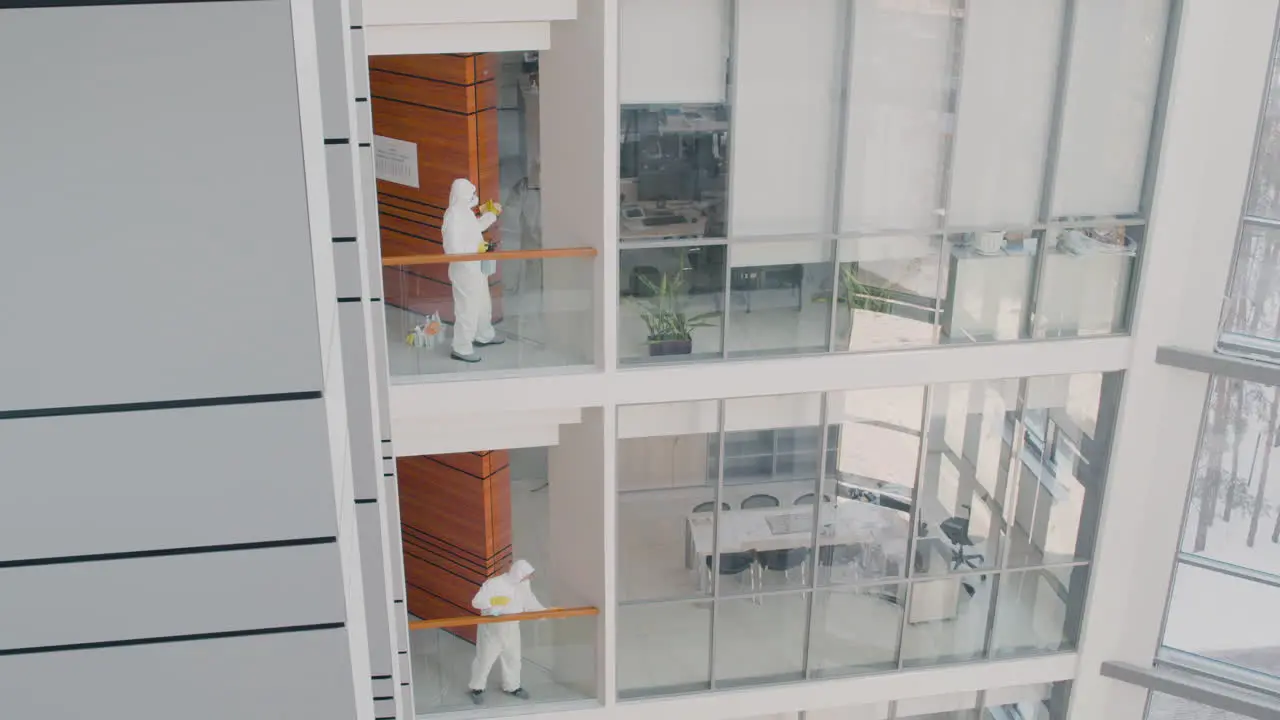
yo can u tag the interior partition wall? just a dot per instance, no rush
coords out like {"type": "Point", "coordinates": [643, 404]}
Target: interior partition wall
{"type": "Point", "coordinates": [853, 175]}
{"type": "Point", "coordinates": [785, 538]}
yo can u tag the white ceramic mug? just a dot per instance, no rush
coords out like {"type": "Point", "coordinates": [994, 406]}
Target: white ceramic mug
{"type": "Point", "coordinates": [989, 243]}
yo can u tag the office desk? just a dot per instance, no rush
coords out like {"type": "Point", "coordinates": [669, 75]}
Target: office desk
{"type": "Point", "coordinates": [694, 220]}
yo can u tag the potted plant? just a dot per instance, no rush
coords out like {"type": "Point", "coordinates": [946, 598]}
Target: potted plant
{"type": "Point", "coordinates": [857, 295]}
{"type": "Point", "coordinates": [666, 315]}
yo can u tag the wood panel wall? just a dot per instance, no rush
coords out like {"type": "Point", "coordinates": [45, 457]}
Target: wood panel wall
{"type": "Point", "coordinates": [447, 105]}
{"type": "Point", "coordinates": [455, 517]}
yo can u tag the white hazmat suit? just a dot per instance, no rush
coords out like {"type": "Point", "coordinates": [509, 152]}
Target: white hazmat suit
{"type": "Point", "coordinates": [506, 594]}
{"type": "Point", "coordinates": [472, 306]}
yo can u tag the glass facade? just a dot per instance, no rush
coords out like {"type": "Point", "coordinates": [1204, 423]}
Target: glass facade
{"type": "Point", "coordinates": [778, 538]}
{"type": "Point", "coordinates": [1026, 702]}
{"type": "Point", "coordinates": [868, 183]}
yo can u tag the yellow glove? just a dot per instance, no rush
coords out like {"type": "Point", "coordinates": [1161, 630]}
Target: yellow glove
{"type": "Point", "coordinates": [492, 207]}
{"type": "Point", "coordinates": [500, 601]}
{"type": "Point", "coordinates": [484, 247]}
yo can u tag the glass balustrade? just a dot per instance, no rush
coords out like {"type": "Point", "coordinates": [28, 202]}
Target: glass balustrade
{"type": "Point", "coordinates": [557, 667]}
{"type": "Point", "coordinates": [541, 308]}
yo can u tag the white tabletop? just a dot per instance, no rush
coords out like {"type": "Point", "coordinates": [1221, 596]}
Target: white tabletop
{"type": "Point", "coordinates": [844, 522]}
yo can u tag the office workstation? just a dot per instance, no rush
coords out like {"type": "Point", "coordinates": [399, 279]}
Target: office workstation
{"type": "Point", "coordinates": [673, 170]}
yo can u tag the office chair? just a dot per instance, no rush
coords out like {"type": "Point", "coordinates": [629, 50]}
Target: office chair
{"type": "Point", "coordinates": [808, 499]}
{"type": "Point", "coordinates": [760, 501]}
{"type": "Point", "coordinates": [734, 565]}
{"type": "Point", "coordinates": [956, 529]}
{"type": "Point", "coordinates": [783, 561]}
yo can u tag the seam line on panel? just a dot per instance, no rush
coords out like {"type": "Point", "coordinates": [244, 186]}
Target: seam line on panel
{"type": "Point", "coordinates": [173, 639]}
{"type": "Point", "coordinates": [159, 405]}
{"type": "Point", "coordinates": [168, 552]}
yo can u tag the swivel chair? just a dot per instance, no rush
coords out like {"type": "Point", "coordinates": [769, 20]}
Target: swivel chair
{"type": "Point", "coordinates": [956, 529]}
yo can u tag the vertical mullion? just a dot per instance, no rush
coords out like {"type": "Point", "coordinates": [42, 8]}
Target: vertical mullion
{"type": "Point", "coordinates": [955, 61]}
{"type": "Point", "coordinates": [730, 94]}
{"type": "Point", "coordinates": [1048, 180]}
{"type": "Point", "coordinates": [817, 524]}
{"type": "Point", "coordinates": [1014, 475]}
{"type": "Point", "coordinates": [913, 521]}
{"type": "Point", "coordinates": [840, 156]}
{"type": "Point", "coordinates": [715, 543]}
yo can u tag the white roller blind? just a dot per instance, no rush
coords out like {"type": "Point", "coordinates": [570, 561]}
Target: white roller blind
{"type": "Point", "coordinates": [784, 116]}
{"type": "Point", "coordinates": [760, 413]}
{"type": "Point", "coordinates": [1116, 51]}
{"type": "Point", "coordinates": [672, 51]}
{"type": "Point", "coordinates": [900, 82]}
{"type": "Point", "coordinates": [1006, 105]}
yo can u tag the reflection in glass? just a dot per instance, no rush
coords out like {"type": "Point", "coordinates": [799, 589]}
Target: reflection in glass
{"type": "Point", "coordinates": [928, 641]}
{"type": "Point", "coordinates": [1264, 191]}
{"type": "Point", "coordinates": [779, 297]}
{"type": "Point", "coordinates": [989, 281]}
{"type": "Point", "coordinates": [887, 292]}
{"type": "Point", "coordinates": [1232, 515]}
{"type": "Point", "coordinates": [1251, 312]}
{"type": "Point", "coordinates": [1061, 477]}
{"type": "Point", "coordinates": [1224, 618]}
{"type": "Point", "coordinates": [855, 629]}
{"type": "Point", "coordinates": [761, 640]}
{"type": "Point", "coordinates": [1087, 277]}
{"type": "Point", "coordinates": [1172, 707]}
{"type": "Point", "coordinates": [663, 648]}
{"type": "Point", "coordinates": [878, 445]}
{"type": "Point", "coordinates": [672, 303]}
{"type": "Point", "coordinates": [965, 484]}
{"type": "Point", "coordinates": [1031, 611]}
{"type": "Point", "coordinates": [673, 169]}
{"type": "Point", "coordinates": [666, 515]}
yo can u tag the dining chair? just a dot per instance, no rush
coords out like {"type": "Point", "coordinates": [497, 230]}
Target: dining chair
{"type": "Point", "coordinates": [808, 499]}
{"type": "Point", "coordinates": [760, 501]}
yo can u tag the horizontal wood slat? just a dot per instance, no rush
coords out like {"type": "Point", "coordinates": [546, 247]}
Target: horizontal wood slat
{"type": "Point", "coordinates": [441, 259]}
{"type": "Point", "coordinates": [471, 620]}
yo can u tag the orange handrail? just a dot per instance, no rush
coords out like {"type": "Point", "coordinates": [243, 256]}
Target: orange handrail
{"type": "Point", "coordinates": [469, 620]}
{"type": "Point", "coordinates": [442, 259]}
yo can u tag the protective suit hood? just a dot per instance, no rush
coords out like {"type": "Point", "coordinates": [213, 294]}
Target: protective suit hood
{"type": "Point", "coordinates": [462, 194]}
{"type": "Point", "coordinates": [520, 570]}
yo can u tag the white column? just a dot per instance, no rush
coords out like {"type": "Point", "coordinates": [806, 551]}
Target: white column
{"type": "Point", "coordinates": [1216, 93]}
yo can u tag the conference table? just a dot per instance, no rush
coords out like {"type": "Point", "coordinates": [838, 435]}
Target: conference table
{"type": "Point", "coordinates": [843, 522]}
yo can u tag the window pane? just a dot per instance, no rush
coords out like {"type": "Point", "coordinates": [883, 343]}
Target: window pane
{"type": "Point", "coordinates": [1264, 197]}
{"type": "Point", "coordinates": [1224, 618]}
{"type": "Point", "coordinates": [672, 303]}
{"type": "Point", "coordinates": [1063, 467]}
{"type": "Point", "coordinates": [1010, 50]}
{"type": "Point", "coordinates": [664, 648]}
{"type": "Point", "coordinates": [1031, 611]}
{"type": "Point", "coordinates": [666, 500]}
{"type": "Point", "coordinates": [786, 89]}
{"type": "Point", "coordinates": [965, 485]}
{"type": "Point", "coordinates": [988, 286]}
{"type": "Point", "coordinates": [1086, 281]}
{"type": "Point", "coordinates": [760, 641]}
{"type": "Point", "coordinates": [855, 629]}
{"type": "Point", "coordinates": [1171, 707]}
{"type": "Point", "coordinates": [902, 81]}
{"type": "Point", "coordinates": [879, 435]}
{"type": "Point", "coordinates": [887, 294]}
{"type": "Point", "coordinates": [779, 297]}
{"type": "Point", "coordinates": [1232, 515]}
{"type": "Point", "coordinates": [1111, 87]}
{"type": "Point", "coordinates": [945, 624]}
{"type": "Point", "coordinates": [1251, 312]}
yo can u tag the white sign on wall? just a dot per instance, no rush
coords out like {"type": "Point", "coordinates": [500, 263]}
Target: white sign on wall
{"type": "Point", "coordinates": [395, 160]}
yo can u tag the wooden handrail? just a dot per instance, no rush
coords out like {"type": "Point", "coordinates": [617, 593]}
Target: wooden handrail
{"type": "Point", "coordinates": [469, 620]}
{"type": "Point", "coordinates": [442, 259]}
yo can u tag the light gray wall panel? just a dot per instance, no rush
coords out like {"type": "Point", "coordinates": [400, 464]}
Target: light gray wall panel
{"type": "Point", "coordinates": [155, 597]}
{"type": "Point", "coordinates": [290, 676]}
{"type": "Point", "coordinates": [153, 206]}
{"type": "Point", "coordinates": [191, 477]}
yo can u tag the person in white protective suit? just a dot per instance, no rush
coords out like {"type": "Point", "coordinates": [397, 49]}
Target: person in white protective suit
{"type": "Point", "coordinates": [472, 306]}
{"type": "Point", "coordinates": [506, 594]}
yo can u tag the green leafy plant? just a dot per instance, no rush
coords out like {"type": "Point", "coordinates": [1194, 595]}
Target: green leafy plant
{"type": "Point", "coordinates": [857, 295]}
{"type": "Point", "coordinates": [665, 311]}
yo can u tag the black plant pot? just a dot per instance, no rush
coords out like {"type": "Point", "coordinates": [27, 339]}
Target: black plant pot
{"type": "Point", "coordinates": [670, 347]}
